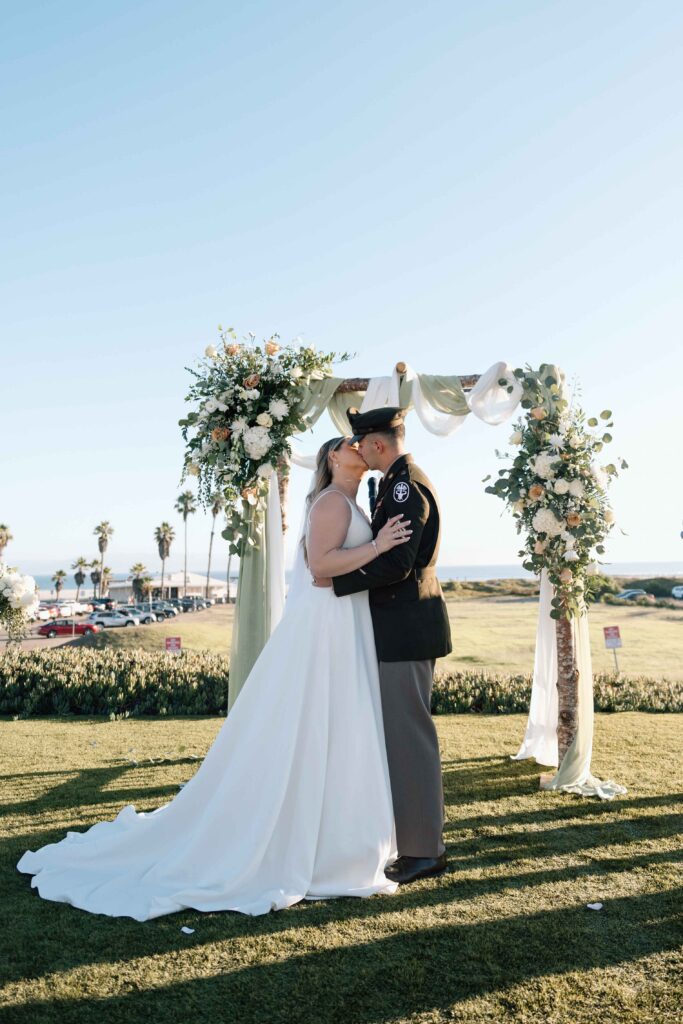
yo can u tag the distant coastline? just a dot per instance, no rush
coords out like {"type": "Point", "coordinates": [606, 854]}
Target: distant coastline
{"type": "Point", "coordinates": [444, 572]}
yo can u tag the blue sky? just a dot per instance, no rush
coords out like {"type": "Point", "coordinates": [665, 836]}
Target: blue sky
{"type": "Point", "coordinates": [449, 184]}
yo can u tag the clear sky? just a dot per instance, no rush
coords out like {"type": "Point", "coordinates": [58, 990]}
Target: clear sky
{"type": "Point", "coordinates": [449, 184]}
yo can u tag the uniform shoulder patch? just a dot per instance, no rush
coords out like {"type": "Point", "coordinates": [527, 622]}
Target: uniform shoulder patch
{"type": "Point", "coordinates": [401, 491]}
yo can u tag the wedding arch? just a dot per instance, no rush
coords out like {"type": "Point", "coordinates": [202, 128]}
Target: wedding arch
{"type": "Point", "coordinates": [251, 400]}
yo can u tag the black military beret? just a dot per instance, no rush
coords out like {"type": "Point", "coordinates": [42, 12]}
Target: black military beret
{"type": "Point", "coordinates": [374, 420]}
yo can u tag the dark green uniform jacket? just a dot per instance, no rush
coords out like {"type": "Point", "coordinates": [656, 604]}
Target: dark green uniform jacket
{"type": "Point", "coordinates": [408, 610]}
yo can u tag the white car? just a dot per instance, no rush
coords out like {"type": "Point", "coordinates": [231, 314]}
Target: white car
{"type": "Point", "coordinates": [109, 619]}
{"type": "Point", "coordinates": [677, 592]}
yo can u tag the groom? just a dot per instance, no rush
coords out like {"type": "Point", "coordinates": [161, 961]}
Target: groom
{"type": "Point", "coordinates": [411, 630]}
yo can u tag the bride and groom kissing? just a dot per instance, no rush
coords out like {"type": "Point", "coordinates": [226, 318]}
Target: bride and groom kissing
{"type": "Point", "coordinates": [325, 778]}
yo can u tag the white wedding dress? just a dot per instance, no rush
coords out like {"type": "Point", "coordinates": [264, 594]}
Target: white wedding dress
{"type": "Point", "coordinates": [291, 802]}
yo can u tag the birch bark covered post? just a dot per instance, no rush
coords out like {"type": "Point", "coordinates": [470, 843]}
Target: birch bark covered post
{"type": "Point", "coordinates": [567, 686]}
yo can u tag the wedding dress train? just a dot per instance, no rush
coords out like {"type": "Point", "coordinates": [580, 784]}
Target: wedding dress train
{"type": "Point", "coordinates": [291, 802]}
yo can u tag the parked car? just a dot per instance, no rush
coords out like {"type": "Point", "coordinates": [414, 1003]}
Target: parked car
{"type": "Point", "coordinates": [67, 627]}
{"type": "Point", "coordinates": [677, 592]}
{"type": "Point", "coordinates": [65, 608]}
{"type": "Point", "coordinates": [51, 608]}
{"type": "Point", "coordinates": [629, 595]}
{"type": "Point", "coordinates": [145, 614]}
{"type": "Point", "coordinates": [166, 610]}
{"type": "Point", "coordinates": [42, 614]}
{"type": "Point", "coordinates": [114, 618]}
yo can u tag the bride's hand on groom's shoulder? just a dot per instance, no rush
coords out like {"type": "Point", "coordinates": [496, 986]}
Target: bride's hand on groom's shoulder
{"type": "Point", "coordinates": [394, 532]}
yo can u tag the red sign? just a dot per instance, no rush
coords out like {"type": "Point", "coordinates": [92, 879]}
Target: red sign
{"type": "Point", "coordinates": [173, 644]}
{"type": "Point", "coordinates": [612, 636]}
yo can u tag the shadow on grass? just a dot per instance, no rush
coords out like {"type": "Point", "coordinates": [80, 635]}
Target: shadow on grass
{"type": "Point", "coordinates": [412, 972]}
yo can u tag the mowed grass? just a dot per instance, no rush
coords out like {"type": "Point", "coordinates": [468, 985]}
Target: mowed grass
{"type": "Point", "coordinates": [497, 634]}
{"type": "Point", "coordinates": [504, 936]}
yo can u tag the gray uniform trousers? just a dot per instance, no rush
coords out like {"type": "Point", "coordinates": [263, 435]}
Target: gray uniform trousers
{"type": "Point", "coordinates": [413, 756]}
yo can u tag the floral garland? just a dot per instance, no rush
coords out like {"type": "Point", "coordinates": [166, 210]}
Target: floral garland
{"type": "Point", "coordinates": [18, 602]}
{"type": "Point", "coordinates": [249, 405]}
{"type": "Point", "coordinates": [556, 489]}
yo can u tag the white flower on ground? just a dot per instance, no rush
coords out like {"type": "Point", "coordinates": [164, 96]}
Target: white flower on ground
{"type": "Point", "coordinates": [542, 465]}
{"type": "Point", "coordinates": [561, 486]}
{"type": "Point", "coordinates": [545, 521]}
{"type": "Point", "coordinates": [264, 420]}
{"type": "Point", "coordinates": [278, 409]}
{"type": "Point", "coordinates": [257, 442]}
{"type": "Point", "coordinates": [516, 437]}
{"type": "Point", "coordinates": [576, 489]}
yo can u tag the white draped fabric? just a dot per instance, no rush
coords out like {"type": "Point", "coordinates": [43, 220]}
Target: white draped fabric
{"type": "Point", "coordinates": [540, 738]}
{"type": "Point", "coordinates": [275, 549]}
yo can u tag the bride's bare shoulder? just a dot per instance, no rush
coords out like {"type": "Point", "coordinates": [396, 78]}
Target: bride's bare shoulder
{"type": "Point", "coordinates": [330, 502]}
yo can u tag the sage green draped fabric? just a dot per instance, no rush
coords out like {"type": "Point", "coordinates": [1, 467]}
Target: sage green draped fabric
{"type": "Point", "coordinates": [445, 394]}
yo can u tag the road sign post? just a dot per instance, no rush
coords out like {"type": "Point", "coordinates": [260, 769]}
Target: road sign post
{"type": "Point", "coordinates": [612, 641]}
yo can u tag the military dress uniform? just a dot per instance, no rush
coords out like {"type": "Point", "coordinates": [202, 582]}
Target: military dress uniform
{"type": "Point", "coordinates": [411, 630]}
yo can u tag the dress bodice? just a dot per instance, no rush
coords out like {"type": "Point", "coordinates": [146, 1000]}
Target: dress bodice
{"type": "Point", "coordinates": [359, 531]}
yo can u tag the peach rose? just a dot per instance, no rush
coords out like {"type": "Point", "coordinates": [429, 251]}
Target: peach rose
{"type": "Point", "coordinates": [232, 350]}
{"type": "Point", "coordinates": [609, 515]}
{"type": "Point", "coordinates": [538, 413]}
{"type": "Point", "coordinates": [539, 547]}
{"type": "Point", "coordinates": [536, 492]}
{"type": "Point", "coordinates": [573, 519]}
{"type": "Point", "coordinates": [220, 433]}
{"type": "Point", "coordinates": [566, 575]}
{"type": "Point", "coordinates": [271, 348]}
{"type": "Point", "coordinates": [252, 380]}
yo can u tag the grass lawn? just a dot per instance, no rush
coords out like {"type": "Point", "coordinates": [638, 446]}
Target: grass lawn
{"type": "Point", "coordinates": [495, 633]}
{"type": "Point", "coordinates": [505, 935]}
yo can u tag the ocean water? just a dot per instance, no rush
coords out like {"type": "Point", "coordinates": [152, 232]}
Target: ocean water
{"type": "Point", "coordinates": [444, 572]}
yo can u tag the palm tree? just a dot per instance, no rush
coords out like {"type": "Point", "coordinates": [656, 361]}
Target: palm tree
{"type": "Point", "coordinates": [95, 575]}
{"type": "Point", "coordinates": [163, 535]}
{"type": "Point", "coordinates": [217, 506]}
{"type": "Point", "coordinates": [5, 538]}
{"type": "Point", "coordinates": [103, 533]}
{"type": "Point", "coordinates": [58, 580]}
{"type": "Point", "coordinates": [147, 585]}
{"type": "Point", "coordinates": [79, 576]}
{"type": "Point", "coordinates": [137, 571]}
{"type": "Point", "coordinates": [185, 506]}
{"type": "Point", "coordinates": [104, 581]}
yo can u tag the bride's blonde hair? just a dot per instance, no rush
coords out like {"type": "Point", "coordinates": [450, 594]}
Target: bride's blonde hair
{"type": "Point", "coordinates": [323, 478]}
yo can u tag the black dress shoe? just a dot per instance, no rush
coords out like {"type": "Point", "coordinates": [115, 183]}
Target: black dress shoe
{"type": "Point", "coordinates": [409, 869]}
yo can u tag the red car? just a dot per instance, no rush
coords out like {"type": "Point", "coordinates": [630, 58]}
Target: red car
{"type": "Point", "coordinates": [65, 627]}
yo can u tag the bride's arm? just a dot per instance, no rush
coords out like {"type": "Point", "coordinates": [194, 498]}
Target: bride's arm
{"type": "Point", "coordinates": [329, 524]}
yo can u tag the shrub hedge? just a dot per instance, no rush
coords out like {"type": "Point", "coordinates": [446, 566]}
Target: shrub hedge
{"type": "Point", "coordinates": [78, 681]}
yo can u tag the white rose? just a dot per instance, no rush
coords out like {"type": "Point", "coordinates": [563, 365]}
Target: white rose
{"type": "Point", "coordinates": [571, 556]}
{"type": "Point", "coordinates": [222, 406]}
{"type": "Point", "coordinates": [210, 351]}
{"type": "Point", "coordinates": [576, 489]}
{"type": "Point", "coordinates": [253, 394]}
{"type": "Point", "coordinates": [516, 437]}
{"type": "Point", "coordinates": [264, 420]}
{"type": "Point", "coordinates": [561, 486]}
{"type": "Point", "coordinates": [278, 409]}
{"type": "Point", "coordinates": [210, 405]}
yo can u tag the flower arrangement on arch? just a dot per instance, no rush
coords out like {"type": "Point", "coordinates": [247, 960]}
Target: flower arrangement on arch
{"type": "Point", "coordinates": [556, 487]}
{"type": "Point", "coordinates": [248, 401]}
{"type": "Point", "coordinates": [18, 602]}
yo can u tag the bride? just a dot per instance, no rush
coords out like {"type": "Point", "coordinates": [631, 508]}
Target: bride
{"type": "Point", "coordinates": [292, 800]}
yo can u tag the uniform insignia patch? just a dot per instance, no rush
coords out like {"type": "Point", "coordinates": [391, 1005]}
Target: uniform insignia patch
{"type": "Point", "coordinates": [401, 491]}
